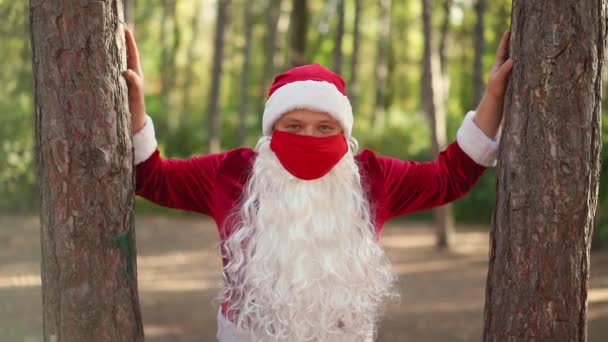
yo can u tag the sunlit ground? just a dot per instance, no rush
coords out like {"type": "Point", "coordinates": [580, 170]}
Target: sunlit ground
{"type": "Point", "coordinates": [442, 294]}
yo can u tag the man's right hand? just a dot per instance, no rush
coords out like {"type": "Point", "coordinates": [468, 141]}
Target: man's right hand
{"type": "Point", "coordinates": [135, 83]}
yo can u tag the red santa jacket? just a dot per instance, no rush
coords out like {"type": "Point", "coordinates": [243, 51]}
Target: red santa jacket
{"type": "Point", "coordinates": [213, 184]}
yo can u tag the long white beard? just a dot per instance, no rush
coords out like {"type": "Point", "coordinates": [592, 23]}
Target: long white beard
{"type": "Point", "coordinates": [304, 264]}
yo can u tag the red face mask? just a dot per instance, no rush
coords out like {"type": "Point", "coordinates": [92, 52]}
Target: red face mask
{"type": "Point", "coordinates": [308, 157]}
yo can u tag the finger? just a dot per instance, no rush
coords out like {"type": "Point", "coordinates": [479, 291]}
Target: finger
{"type": "Point", "coordinates": [502, 53]}
{"type": "Point", "coordinates": [504, 71]}
{"type": "Point", "coordinates": [130, 76]}
{"type": "Point", "coordinates": [133, 61]}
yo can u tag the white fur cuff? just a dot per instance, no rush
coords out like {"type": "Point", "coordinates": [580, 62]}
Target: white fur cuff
{"type": "Point", "coordinates": [144, 142]}
{"type": "Point", "coordinates": [475, 143]}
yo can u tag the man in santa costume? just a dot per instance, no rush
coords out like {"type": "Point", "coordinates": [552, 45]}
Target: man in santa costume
{"type": "Point", "coordinates": [299, 216]}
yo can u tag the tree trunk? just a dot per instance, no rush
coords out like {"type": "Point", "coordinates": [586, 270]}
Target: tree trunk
{"type": "Point", "coordinates": [443, 37]}
{"type": "Point", "coordinates": [167, 54]}
{"type": "Point", "coordinates": [382, 55]}
{"type": "Point", "coordinates": [434, 106]}
{"type": "Point", "coordinates": [194, 41]}
{"type": "Point", "coordinates": [299, 32]}
{"type": "Point", "coordinates": [216, 76]}
{"type": "Point", "coordinates": [130, 14]}
{"type": "Point", "coordinates": [548, 174]}
{"type": "Point", "coordinates": [85, 171]}
{"type": "Point", "coordinates": [480, 43]}
{"type": "Point", "coordinates": [339, 36]}
{"type": "Point", "coordinates": [354, 62]}
{"type": "Point", "coordinates": [245, 73]}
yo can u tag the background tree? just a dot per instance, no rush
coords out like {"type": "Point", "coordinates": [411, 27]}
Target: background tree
{"type": "Point", "coordinates": [480, 42]}
{"type": "Point", "coordinates": [337, 64]}
{"type": "Point", "coordinates": [354, 62]}
{"type": "Point", "coordinates": [434, 105]}
{"type": "Point", "coordinates": [548, 173]}
{"type": "Point", "coordinates": [299, 32]}
{"type": "Point", "coordinates": [248, 16]}
{"type": "Point", "coordinates": [382, 60]}
{"type": "Point", "coordinates": [221, 20]}
{"type": "Point", "coordinates": [84, 158]}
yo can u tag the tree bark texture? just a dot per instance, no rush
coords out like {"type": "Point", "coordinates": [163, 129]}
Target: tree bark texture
{"type": "Point", "coordinates": [216, 76]}
{"type": "Point", "coordinates": [85, 171]}
{"type": "Point", "coordinates": [434, 106]}
{"type": "Point", "coordinates": [548, 173]}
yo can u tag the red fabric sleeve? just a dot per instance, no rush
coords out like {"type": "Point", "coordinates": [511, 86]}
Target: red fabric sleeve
{"type": "Point", "coordinates": [186, 184]}
{"type": "Point", "coordinates": [401, 187]}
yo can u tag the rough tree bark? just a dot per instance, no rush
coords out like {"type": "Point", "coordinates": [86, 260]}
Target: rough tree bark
{"type": "Point", "coordinates": [216, 76]}
{"type": "Point", "coordinates": [548, 173]}
{"type": "Point", "coordinates": [248, 14]}
{"type": "Point", "coordinates": [434, 106]}
{"type": "Point", "coordinates": [480, 43]}
{"type": "Point", "coordinates": [85, 170]}
{"type": "Point", "coordinates": [299, 32]}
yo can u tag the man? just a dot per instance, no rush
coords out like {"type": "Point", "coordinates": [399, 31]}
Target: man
{"type": "Point", "coordinates": [300, 216]}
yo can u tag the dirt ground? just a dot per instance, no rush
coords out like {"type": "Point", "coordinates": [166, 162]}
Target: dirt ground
{"type": "Point", "coordinates": [442, 294]}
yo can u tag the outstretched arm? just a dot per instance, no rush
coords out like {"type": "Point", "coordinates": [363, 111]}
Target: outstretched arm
{"type": "Point", "coordinates": [175, 183]}
{"type": "Point", "coordinates": [411, 186]}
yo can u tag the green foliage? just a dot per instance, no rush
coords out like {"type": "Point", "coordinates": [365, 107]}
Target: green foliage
{"type": "Point", "coordinates": [181, 118]}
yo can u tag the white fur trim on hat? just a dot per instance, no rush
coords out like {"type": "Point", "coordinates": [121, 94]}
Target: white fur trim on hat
{"type": "Point", "coordinates": [318, 96]}
{"type": "Point", "coordinates": [144, 142]}
{"type": "Point", "coordinates": [475, 143]}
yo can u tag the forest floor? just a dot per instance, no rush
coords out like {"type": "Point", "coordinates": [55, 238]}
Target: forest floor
{"type": "Point", "coordinates": [442, 293]}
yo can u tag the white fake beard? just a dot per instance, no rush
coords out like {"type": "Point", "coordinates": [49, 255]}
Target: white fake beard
{"type": "Point", "coordinates": [304, 264]}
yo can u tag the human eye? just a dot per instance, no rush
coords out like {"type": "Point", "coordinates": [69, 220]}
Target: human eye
{"type": "Point", "coordinates": [326, 128]}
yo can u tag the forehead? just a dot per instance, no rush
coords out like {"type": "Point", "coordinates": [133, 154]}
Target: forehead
{"type": "Point", "coordinates": [306, 116]}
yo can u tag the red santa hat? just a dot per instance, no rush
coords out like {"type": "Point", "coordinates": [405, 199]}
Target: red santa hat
{"type": "Point", "coordinates": [311, 87]}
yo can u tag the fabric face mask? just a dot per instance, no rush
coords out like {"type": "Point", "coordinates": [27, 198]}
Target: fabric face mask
{"type": "Point", "coordinates": [308, 157]}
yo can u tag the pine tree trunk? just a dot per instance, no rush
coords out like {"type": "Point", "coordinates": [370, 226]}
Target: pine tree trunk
{"type": "Point", "coordinates": [85, 171]}
{"type": "Point", "coordinates": [216, 76]}
{"type": "Point", "coordinates": [548, 174]}
{"type": "Point", "coordinates": [245, 73]}
{"type": "Point", "coordinates": [480, 43]}
{"type": "Point", "coordinates": [434, 106]}
{"type": "Point", "coordinates": [299, 32]}
{"type": "Point", "coordinates": [382, 54]}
